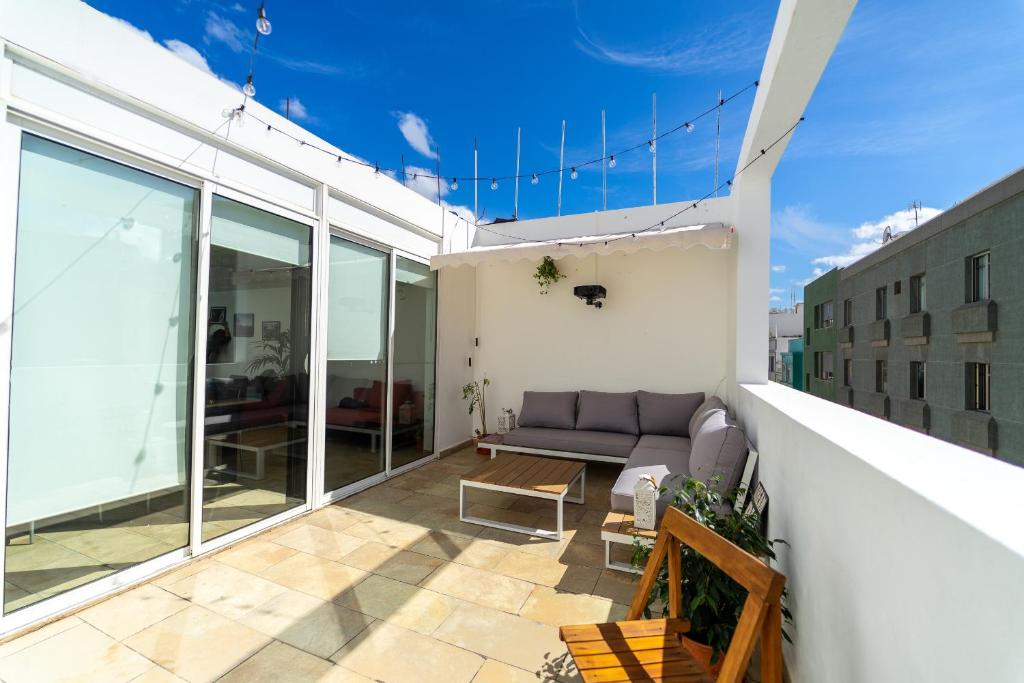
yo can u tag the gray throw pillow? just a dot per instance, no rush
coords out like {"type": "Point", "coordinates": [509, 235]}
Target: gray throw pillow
{"type": "Point", "coordinates": [605, 412]}
{"type": "Point", "coordinates": [718, 448]}
{"type": "Point", "coordinates": [552, 409]}
{"type": "Point", "coordinates": [667, 414]}
{"type": "Point", "coordinates": [702, 412]}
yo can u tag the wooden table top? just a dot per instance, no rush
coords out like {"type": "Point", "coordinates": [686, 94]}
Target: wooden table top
{"type": "Point", "coordinates": [527, 472]}
{"type": "Point", "coordinates": [622, 523]}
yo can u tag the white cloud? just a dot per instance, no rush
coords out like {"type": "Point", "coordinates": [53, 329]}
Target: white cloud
{"type": "Point", "coordinates": [779, 269]}
{"type": "Point", "coordinates": [415, 131]}
{"type": "Point", "coordinates": [815, 274]}
{"type": "Point", "coordinates": [800, 228]}
{"type": "Point", "coordinates": [416, 179]}
{"type": "Point", "coordinates": [775, 298]}
{"type": "Point", "coordinates": [776, 290]}
{"type": "Point", "coordinates": [238, 7]}
{"type": "Point", "coordinates": [221, 30]}
{"type": "Point", "coordinates": [296, 110]}
{"type": "Point", "coordinates": [868, 236]}
{"type": "Point", "coordinates": [189, 54]}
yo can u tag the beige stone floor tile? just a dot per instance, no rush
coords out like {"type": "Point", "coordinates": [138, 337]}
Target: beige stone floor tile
{"type": "Point", "coordinates": [446, 521]}
{"type": "Point", "coordinates": [479, 586]}
{"type": "Point", "coordinates": [386, 652]}
{"type": "Point", "coordinates": [388, 531]}
{"type": "Point", "coordinates": [333, 518]}
{"type": "Point", "coordinates": [81, 653]}
{"type": "Point", "coordinates": [330, 545]}
{"type": "Point", "coordinates": [281, 663]}
{"type": "Point", "coordinates": [38, 635]}
{"type": "Point", "coordinates": [162, 526]}
{"type": "Point", "coordinates": [494, 671]}
{"type": "Point", "coordinates": [386, 509]}
{"type": "Point", "coordinates": [548, 572]}
{"type": "Point", "coordinates": [585, 554]}
{"type": "Point", "coordinates": [41, 554]}
{"type": "Point", "coordinates": [254, 556]}
{"type": "Point", "coordinates": [184, 571]}
{"type": "Point", "coordinates": [311, 624]}
{"type": "Point", "coordinates": [535, 545]}
{"type": "Point", "coordinates": [392, 562]}
{"type": "Point", "coordinates": [462, 549]}
{"type": "Point", "coordinates": [617, 586]}
{"type": "Point", "coordinates": [410, 607]}
{"type": "Point", "coordinates": [549, 606]}
{"type": "Point", "coordinates": [226, 590]}
{"type": "Point", "coordinates": [315, 576]}
{"type": "Point", "coordinates": [113, 545]}
{"type": "Point", "coordinates": [197, 644]}
{"type": "Point", "coordinates": [496, 635]}
{"type": "Point", "coordinates": [132, 611]}
{"type": "Point", "coordinates": [492, 498]}
{"type": "Point", "coordinates": [441, 505]}
{"type": "Point", "coordinates": [158, 675]}
{"type": "Point", "coordinates": [508, 516]}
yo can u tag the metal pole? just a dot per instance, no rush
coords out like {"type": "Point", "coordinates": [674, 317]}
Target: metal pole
{"type": "Point", "coordinates": [604, 166]}
{"type": "Point", "coordinates": [439, 204]}
{"type": "Point", "coordinates": [654, 146]}
{"type": "Point", "coordinates": [718, 137]}
{"type": "Point", "coordinates": [403, 171]}
{"type": "Point", "coordinates": [515, 196]}
{"type": "Point", "coordinates": [476, 185]}
{"type": "Point", "coordinates": [561, 163]}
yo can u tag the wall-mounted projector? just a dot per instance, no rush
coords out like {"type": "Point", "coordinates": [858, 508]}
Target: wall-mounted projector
{"type": "Point", "coordinates": [590, 294]}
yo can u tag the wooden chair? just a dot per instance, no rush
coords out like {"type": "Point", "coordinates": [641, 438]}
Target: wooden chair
{"type": "Point", "coordinates": [650, 649]}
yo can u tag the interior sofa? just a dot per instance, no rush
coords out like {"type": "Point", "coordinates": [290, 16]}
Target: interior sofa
{"type": "Point", "coordinates": [669, 436]}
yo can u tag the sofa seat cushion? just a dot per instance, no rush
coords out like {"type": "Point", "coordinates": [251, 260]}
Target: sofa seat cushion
{"type": "Point", "coordinates": [668, 466]}
{"type": "Point", "coordinates": [572, 440]}
{"type": "Point", "coordinates": [601, 411]}
{"type": "Point", "coordinates": [549, 409]}
{"type": "Point", "coordinates": [354, 417]}
{"type": "Point", "coordinates": [667, 414]}
{"type": "Point", "coordinates": [664, 443]}
{"type": "Point", "coordinates": [719, 449]}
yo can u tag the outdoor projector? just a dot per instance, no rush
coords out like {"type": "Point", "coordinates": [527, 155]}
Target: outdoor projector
{"type": "Point", "coordinates": [590, 294]}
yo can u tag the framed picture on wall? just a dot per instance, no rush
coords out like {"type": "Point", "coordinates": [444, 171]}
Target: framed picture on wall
{"type": "Point", "coordinates": [245, 325]}
{"type": "Point", "coordinates": [271, 329]}
{"type": "Point", "coordinates": [218, 315]}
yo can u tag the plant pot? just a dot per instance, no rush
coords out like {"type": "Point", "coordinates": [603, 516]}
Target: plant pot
{"type": "Point", "coordinates": [702, 653]}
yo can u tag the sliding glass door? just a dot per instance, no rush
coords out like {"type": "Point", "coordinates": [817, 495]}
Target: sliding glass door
{"type": "Point", "coordinates": [257, 367]}
{"type": "Point", "coordinates": [413, 362]}
{"type": "Point", "coordinates": [100, 397]}
{"type": "Point", "coordinates": [355, 445]}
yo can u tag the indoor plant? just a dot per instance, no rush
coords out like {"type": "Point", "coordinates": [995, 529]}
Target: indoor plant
{"type": "Point", "coordinates": [276, 356]}
{"type": "Point", "coordinates": [475, 394]}
{"type": "Point", "coordinates": [712, 602]}
{"type": "Point", "coordinates": [547, 274]}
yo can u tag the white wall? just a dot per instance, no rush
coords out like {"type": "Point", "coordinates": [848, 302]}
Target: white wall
{"type": "Point", "coordinates": [455, 331]}
{"type": "Point", "coordinates": [907, 552]}
{"type": "Point", "coordinates": [663, 326]}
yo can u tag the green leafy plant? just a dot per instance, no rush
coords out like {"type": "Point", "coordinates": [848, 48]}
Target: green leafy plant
{"type": "Point", "coordinates": [547, 274]}
{"type": "Point", "coordinates": [712, 602]}
{"type": "Point", "coordinates": [475, 393]}
{"type": "Point", "coordinates": [276, 355]}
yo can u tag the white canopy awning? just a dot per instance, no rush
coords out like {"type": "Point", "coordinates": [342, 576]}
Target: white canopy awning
{"type": "Point", "coordinates": [712, 236]}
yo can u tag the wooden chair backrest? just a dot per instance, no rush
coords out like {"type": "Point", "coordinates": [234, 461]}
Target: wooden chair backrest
{"type": "Point", "coordinates": [761, 615]}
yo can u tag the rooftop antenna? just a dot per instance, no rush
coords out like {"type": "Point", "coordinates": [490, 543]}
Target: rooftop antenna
{"type": "Point", "coordinates": [654, 145]}
{"type": "Point", "coordinates": [887, 234]}
{"type": "Point", "coordinates": [403, 171]}
{"type": "Point", "coordinates": [915, 206]}
{"type": "Point", "coordinates": [561, 163]}
{"type": "Point", "coordinates": [476, 185]}
{"type": "Point", "coordinates": [288, 108]}
{"type": "Point", "coordinates": [515, 196]}
{"type": "Point", "coordinates": [718, 136]}
{"type": "Point", "coordinates": [604, 166]}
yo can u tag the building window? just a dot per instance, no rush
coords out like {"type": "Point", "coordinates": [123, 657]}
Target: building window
{"type": "Point", "coordinates": [826, 314]}
{"type": "Point", "coordinates": [771, 364]}
{"type": "Point", "coordinates": [917, 380]}
{"type": "Point", "coordinates": [918, 302]}
{"type": "Point", "coordinates": [881, 303]}
{"type": "Point", "coordinates": [978, 275]}
{"type": "Point", "coordinates": [979, 377]}
{"type": "Point", "coordinates": [881, 376]}
{"type": "Point", "coordinates": [848, 312]}
{"type": "Point", "coordinates": [897, 287]}
{"type": "Point", "coordinates": [848, 372]}
{"type": "Point", "coordinates": [828, 366]}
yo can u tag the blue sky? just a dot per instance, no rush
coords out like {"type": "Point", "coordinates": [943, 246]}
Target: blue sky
{"type": "Point", "coordinates": [923, 100]}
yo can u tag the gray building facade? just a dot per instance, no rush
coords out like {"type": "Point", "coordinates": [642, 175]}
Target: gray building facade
{"type": "Point", "coordinates": [931, 326]}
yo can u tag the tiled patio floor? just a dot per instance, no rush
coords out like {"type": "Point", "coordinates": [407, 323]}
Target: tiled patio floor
{"type": "Point", "coordinates": [387, 585]}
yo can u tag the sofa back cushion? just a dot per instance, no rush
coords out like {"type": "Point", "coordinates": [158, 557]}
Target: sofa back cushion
{"type": "Point", "coordinates": [552, 409]}
{"type": "Point", "coordinates": [718, 449]}
{"type": "Point", "coordinates": [667, 414]}
{"type": "Point", "coordinates": [605, 412]}
{"type": "Point", "coordinates": [710, 404]}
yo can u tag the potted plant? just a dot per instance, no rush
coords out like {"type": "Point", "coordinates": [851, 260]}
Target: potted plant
{"type": "Point", "coordinates": [475, 394]}
{"type": "Point", "coordinates": [547, 274]}
{"type": "Point", "coordinates": [712, 602]}
{"type": "Point", "coordinates": [276, 356]}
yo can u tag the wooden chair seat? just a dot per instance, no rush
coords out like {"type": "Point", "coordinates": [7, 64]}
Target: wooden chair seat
{"type": "Point", "coordinates": [639, 650]}
{"type": "Point", "coordinates": [651, 649]}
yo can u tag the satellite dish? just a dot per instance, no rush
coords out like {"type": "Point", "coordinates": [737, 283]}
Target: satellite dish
{"type": "Point", "coordinates": [887, 234]}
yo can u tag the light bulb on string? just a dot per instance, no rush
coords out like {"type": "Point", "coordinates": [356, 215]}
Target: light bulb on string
{"type": "Point", "coordinates": [262, 23]}
{"type": "Point", "coordinates": [612, 162]}
{"type": "Point", "coordinates": [249, 89]}
{"type": "Point", "coordinates": [455, 184]}
{"type": "Point", "coordinates": [534, 179]}
{"type": "Point", "coordinates": [494, 183]}
{"type": "Point", "coordinates": [650, 146]}
{"type": "Point", "coordinates": [574, 174]}
{"type": "Point", "coordinates": [269, 128]}
{"type": "Point", "coordinates": [688, 126]}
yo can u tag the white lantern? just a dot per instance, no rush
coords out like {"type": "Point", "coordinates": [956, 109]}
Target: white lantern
{"type": "Point", "coordinates": [502, 424]}
{"type": "Point", "coordinates": [645, 502]}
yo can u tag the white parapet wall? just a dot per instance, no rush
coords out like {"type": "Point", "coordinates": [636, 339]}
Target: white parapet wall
{"type": "Point", "coordinates": [907, 555]}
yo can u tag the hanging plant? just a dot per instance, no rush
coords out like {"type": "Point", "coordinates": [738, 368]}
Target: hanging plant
{"type": "Point", "coordinates": [547, 274]}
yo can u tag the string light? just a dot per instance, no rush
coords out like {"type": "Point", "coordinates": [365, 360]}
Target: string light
{"type": "Point", "coordinates": [689, 127]}
{"type": "Point", "coordinates": [249, 89]}
{"type": "Point", "coordinates": [494, 183]}
{"type": "Point", "coordinates": [650, 146]}
{"type": "Point", "coordinates": [611, 161]}
{"type": "Point", "coordinates": [573, 175]}
{"type": "Point", "coordinates": [534, 179]}
{"type": "Point", "coordinates": [262, 23]}
{"type": "Point", "coordinates": [455, 184]}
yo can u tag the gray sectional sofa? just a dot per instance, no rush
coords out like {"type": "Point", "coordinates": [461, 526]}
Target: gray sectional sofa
{"type": "Point", "coordinates": [668, 436]}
